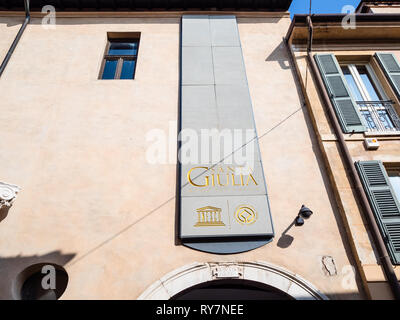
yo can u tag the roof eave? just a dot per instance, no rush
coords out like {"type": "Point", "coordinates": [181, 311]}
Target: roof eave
{"type": "Point", "coordinates": [301, 19]}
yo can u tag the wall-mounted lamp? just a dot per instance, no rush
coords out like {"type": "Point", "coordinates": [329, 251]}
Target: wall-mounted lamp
{"type": "Point", "coordinates": [305, 213]}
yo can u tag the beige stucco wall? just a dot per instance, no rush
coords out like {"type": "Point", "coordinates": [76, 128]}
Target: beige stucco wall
{"type": "Point", "coordinates": [91, 202]}
{"type": "Point", "coordinates": [353, 217]}
{"type": "Point", "coordinates": [8, 29]}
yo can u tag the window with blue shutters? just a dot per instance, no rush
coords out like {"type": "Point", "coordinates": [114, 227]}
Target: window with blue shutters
{"type": "Point", "coordinates": [384, 203]}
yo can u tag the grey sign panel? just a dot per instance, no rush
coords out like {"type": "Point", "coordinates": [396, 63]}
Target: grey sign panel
{"type": "Point", "coordinates": [197, 31]}
{"type": "Point", "coordinates": [214, 217]}
{"type": "Point", "coordinates": [228, 65]}
{"type": "Point", "coordinates": [234, 107]}
{"type": "Point", "coordinates": [223, 190]}
{"type": "Point", "coordinates": [197, 66]}
{"type": "Point", "coordinates": [196, 98]}
{"type": "Point", "coordinates": [224, 31]}
{"type": "Point", "coordinates": [220, 179]}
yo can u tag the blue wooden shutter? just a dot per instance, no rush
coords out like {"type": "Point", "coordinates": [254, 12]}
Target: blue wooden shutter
{"type": "Point", "coordinates": [391, 67]}
{"type": "Point", "coordinates": [346, 109]}
{"type": "Point", "coordinates": [384, 204]}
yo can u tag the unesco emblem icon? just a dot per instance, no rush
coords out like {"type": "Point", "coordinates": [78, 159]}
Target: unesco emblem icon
{"type": "Point", "coordinates": [245, 214]}
{"type": "Point", "coordinates": [209, 217]}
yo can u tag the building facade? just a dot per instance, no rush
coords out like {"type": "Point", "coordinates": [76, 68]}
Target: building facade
{"type": "Point", "coordinates": [92, 101]}
{"type": "Point", "coordinates": [350, 80]}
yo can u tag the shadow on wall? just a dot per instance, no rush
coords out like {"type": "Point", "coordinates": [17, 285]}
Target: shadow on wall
{"type": "Point", "coordinates": [286, 240]}
{"type": "Point", "coordinates": [279, 55]}
{"type": "Point", "coordinates": [4, 212]}
{"type": "Point", "coordinates": [11, 269]}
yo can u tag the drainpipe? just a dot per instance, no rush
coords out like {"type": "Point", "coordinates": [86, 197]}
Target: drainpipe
{"type": "Point", "coordinates": [383, 258]}
{"type": "Point", "coordinates": [18, 36]}
{"type": "Point", "coordinates": [310, 33]}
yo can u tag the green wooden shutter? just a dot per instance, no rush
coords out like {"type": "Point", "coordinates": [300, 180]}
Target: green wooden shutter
{"type": "Point", "coordinates": [346, 109]}
{"type": "Point", "coordinates": [384, 204]}
{"type": "Point", "coordinates": [391, 68]}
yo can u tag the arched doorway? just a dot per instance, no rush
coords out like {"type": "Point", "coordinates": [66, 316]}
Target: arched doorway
{"type": "Point", "coordinates": [231, 290]}
{"type": "Point", "coordinates": [260, 280]}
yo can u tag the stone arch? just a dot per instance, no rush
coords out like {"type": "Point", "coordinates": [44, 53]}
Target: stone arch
{"type": "Point", "coordinates": [196, 273]}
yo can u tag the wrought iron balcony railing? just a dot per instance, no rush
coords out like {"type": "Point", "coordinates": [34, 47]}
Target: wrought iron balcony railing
{"type": "Point", "coordinates": [380, 115]}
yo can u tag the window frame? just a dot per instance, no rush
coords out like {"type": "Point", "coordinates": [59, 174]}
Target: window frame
{"type": "Point", "coordinates": [380, 130]}
{"type": "Point", "coordinates": [359, 82]}
{"type": "Point", "coordinates": [120, 58]}
{"type": "Point", "coordinates": [393, 168]}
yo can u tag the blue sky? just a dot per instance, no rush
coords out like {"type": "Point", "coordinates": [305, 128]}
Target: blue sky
{"type": "Point", "coordinates": [320, 6]}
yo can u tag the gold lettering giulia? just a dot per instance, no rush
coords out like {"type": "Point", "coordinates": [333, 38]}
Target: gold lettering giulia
{"type": "Point", "coordinates": [219, 177]}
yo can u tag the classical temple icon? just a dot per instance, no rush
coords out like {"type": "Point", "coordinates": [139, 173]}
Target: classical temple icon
{"type": "Point", "coordinates": [209, 217]}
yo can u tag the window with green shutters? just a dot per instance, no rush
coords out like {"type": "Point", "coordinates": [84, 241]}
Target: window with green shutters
{"type": "Point", "coordinates": [372, 101]}
{"type": "Point", "coordinates": [346, 109]}
{"type": "Point", "coordinates": [391, 67]}
{"type": "Point", "coordinates": [384, 204]}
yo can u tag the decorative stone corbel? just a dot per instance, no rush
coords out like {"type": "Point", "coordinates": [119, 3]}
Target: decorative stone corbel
{"type": "Point", "coordinates": [8, 192]}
